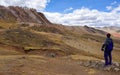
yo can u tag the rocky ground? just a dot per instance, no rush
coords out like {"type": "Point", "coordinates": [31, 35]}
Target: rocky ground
{"type": "Point", "coordinates": [40, 65]}
{"type": "Point", "coordinates": [99, 65]}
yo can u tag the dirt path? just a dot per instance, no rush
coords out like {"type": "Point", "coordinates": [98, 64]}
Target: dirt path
{"type": "Point", "coordinates": [39, 65]}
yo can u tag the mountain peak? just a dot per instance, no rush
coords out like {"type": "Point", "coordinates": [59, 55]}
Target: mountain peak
{"type": "Point", "coordinates": [22, 14]}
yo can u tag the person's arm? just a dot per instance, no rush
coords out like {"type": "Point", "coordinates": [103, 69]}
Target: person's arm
{"type": "Point", "coordinates": [104, 45]}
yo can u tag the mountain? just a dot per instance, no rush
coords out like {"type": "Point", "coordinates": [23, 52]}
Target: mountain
{"type": "Point", "coordinates": [114, 30]}
{"type": "Point", "coordinates": [29, 40]}
{"type": "Point", "coordinates": [20, 15]}
{"type": "Point", "coordinates": [26, 30]}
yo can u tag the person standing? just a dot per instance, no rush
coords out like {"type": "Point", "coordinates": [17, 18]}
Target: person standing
{"type": "Point", "coordinates": [107, 47]}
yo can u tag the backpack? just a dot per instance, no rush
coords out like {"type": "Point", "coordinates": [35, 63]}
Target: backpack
{"type": "Point", "coordinates": [109, 46]}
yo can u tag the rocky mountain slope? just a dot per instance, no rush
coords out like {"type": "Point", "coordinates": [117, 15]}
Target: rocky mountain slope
{"type": "Point", "coordinates": [12, 16]}
{"type": "Point", "coordinates": [22, 14]}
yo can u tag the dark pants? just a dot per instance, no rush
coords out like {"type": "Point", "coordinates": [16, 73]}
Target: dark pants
{"type": "Point", "coordinates": [108, 57]}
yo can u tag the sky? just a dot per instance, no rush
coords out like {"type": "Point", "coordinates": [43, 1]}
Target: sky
{"type": "Point", "coordinates": [94, 13]}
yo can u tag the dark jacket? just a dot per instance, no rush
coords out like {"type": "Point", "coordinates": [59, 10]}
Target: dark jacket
{"type": "Point", "coordinates": [108, 45]}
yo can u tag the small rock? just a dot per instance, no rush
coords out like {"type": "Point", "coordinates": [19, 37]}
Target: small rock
{"type": "Point", "coordinates": [81, 63]}
{"type": "Point", "coordinates": [116, 64]}
{"type": "Point", "coordinates": [86, 64]}
{"type": "Point", "coordinates": [91, 61]}
{"type": "Point", "coordinates": [100, 64]}
{"type": "Point", "coordinates": [52, 54]}
{"type": "Point", "coordinates": [116, 69]}
{"type": "Point", "coordinates": [94, 64]}
{"type": "Point", "coordinates": [108, 68]}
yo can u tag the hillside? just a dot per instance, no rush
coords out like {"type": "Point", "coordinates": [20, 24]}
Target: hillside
{"type": "Point", "coordinates": [30, 31]}
{"type": "Point", "coordinates": [27, 35]}
{"type": "Point", "coordinates": [114, 30]}
{"type": "Point", "coordinates": [11, 16]}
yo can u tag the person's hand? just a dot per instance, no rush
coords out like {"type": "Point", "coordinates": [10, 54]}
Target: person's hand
{"type": "Point", "coordinates": [102, 49]}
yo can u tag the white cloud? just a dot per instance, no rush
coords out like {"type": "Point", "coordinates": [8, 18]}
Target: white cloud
{"type": "Point", "coordinates": [68, 9]}
{"type": "Point", "coordinates": [54, 17]}
{"type": "Point", "coordinates": [40, 5]}
{"type": "Point", "coordinates": [116, 10]}
{"type": "Point", "coordinates": [113, 3]}
{"type": "Point", "coordinates": [114, 6]}
{"type": "Point", "coordinates": [85, 16]}
{"type": "Point", "coordinates": [109, 7]}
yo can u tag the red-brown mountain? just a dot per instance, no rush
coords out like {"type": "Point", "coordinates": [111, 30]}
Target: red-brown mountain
{"type": "Point", "coordinates": [22, 14]}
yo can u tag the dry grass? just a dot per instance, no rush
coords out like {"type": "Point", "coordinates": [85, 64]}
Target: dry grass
{"type": "Point", "coordinates": [20, 37]}
{"type": "Point", "coordinates": [83, 57]}
{"type": "Point", "coordinates": [46, 28]}
{"type": "Point", "coordinates": [8, 25]}
{"type": "Point", "coordinates": [56, 39]}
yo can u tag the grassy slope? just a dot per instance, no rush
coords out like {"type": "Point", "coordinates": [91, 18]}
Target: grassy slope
{"type": "Point", "coordinates": [32, 40]}
{"type": "Point", "coordinates": [91, 44]}
{"type": "Point", "coordinates": [7, 25]}
{"type": "Point", "coordinates": [55, 39]}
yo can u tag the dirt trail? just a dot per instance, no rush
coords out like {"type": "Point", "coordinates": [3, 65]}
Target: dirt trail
{"type": "Point", "coordinates": [39, 65]}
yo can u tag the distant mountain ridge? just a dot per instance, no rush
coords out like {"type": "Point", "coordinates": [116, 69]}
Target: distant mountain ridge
{"type": "Point", "coordinates": [114, 30]}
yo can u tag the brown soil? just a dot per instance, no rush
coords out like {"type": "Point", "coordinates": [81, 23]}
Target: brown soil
{"type": "Point", "coordinates": [39, 65]}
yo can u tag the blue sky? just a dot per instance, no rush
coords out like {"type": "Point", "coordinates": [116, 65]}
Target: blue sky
{"type": "Point", "coordinates": [84, 12]}
{"type": "Point", "coordinates": [95, 13]}
{"type": "Point", "coordinates": [62, 5]}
